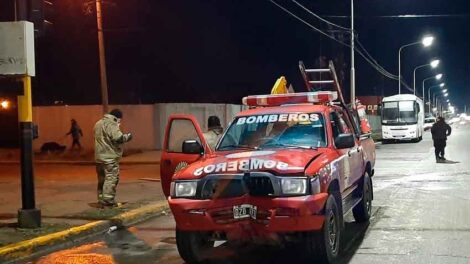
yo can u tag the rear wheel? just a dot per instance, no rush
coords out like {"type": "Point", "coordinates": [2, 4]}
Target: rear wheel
{"type": "Point", "coordinates": [194, 247]}
{"type": "Point", "coordinates": [324, 246]}
{"type": "Point", "coordinates": [363, 210]}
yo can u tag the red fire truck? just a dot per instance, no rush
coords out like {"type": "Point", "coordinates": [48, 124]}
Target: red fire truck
{"type": "Point", "coordinates": [285, 171]}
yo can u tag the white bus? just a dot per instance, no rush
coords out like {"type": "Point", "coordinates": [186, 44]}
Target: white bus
{"type": "Point", "coordinates": [402, 118]}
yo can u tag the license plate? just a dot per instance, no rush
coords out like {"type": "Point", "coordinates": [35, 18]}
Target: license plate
{"type": "Point", "coordinates": [244, 211]}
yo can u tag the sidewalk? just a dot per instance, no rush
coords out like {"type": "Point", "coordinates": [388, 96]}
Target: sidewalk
{"type": "Point", "coordinates": [66, 195]}
{"type": "Point", "coordinates": [11, 156]}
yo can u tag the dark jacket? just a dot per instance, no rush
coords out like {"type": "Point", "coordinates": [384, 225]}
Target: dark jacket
{"type": "Point", "coordinates": [440, 130]}
{"type": "Point", "coordinates": [75, 131]}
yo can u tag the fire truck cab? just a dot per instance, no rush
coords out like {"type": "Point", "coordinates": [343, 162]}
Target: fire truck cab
{"type": "Point", "coordinates": [285, 171]}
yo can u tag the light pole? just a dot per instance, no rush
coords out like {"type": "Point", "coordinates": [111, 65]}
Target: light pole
{"type": "Point", "coordinates": [102, 52]}
{"type": "Point", "coordinates": [436, 97]}
{"type": "Point", "coordinates": [426, 41]}
{"type": "Point", "coordinates": [433, 65]}
{"type": "Point", "coordinates": [353, 70]}
{"type": "Point", "coordinates": [429, 93]}
{"type": "Point", "coordinates": [437, 77]}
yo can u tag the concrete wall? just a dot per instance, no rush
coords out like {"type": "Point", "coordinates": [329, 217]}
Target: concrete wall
{"type": "Point", "coordinates": [54, 123]}
{"type": "Point", "coordinates": [226, 112]}
{"type": "Point", "coordinates": [146, 122]}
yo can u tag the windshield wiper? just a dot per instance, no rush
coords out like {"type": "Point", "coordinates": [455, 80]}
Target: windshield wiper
{"type": "Point", "coordinates": [238, 147]}
{"type": "Point", "coordinates": [290, 146]}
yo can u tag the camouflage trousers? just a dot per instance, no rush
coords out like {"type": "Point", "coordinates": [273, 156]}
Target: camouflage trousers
{"type": "Point", "coordinates": [108, 179]}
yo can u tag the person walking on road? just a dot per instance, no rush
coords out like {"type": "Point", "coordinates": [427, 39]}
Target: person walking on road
{"type": "Point", "coordinates": [214, 131]}
{"type": "Point", "coordinates": [440, 131]}
{"type": "Point", "coordinates": [76, 133]}
{"type": "Point", "coordinates": [109, 141]}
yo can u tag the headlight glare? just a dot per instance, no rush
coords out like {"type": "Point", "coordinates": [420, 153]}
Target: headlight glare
{"type": "Point", "coordinates": [294, 186]}
{"type": "Point", "coordinates": [185, 189]}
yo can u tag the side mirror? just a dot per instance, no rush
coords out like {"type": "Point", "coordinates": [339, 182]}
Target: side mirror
{"type": "Point", "coordinates": [192, 147]}
{"type": "Point", "coordinates": [344, 141]}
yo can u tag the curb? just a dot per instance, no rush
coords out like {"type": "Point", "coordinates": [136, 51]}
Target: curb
{"type": "Point", "coordinates": [35, 246]}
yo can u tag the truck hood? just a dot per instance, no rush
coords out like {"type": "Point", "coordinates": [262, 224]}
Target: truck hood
{"type": "Point", "coordinates": [278, 162]}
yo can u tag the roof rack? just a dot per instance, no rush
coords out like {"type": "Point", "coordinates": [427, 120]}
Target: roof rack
{"type": "Point", "coordinates": [320, 97]}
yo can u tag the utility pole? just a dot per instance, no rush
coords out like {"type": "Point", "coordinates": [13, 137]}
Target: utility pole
{"type": "Point", "coordinates": [28, 216]}
{"type": "Point", "coordinates": [103, 76]}
{"type": "Point", "coordinates": [353, 70]}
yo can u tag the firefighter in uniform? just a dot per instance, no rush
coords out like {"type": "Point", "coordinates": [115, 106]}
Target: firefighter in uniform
{"type": "Point", "coordinates": [108, 151]}
{"type": "Point", "coordinates": [214, 132]}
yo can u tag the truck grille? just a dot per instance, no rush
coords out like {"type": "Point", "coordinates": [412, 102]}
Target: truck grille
{"type": "Point", "coordinates": [260, 186]}
{"type": "Point", "coordinates": [222, 188]}
{"type": "Point", "coordinates": [231, 186]}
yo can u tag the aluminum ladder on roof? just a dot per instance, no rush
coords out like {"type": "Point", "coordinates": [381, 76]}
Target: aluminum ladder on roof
{"type": "Point", "coordinates": [312, 83]}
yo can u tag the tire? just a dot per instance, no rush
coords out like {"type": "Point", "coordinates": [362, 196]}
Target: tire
{"type": "Point", "coordinates": [324, 245]}
{"type": "Point", "coordinates": [194, 247]}
{"type": "Point", "coordinates": [385, 141]}
{"type": "Point", "coordinates": [363, 210]}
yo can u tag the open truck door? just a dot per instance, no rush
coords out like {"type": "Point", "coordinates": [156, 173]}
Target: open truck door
{"type": "Point", "coordinates": [184, 144]}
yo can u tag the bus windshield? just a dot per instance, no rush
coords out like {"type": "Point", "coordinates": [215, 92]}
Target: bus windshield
{"type": "Point", "coordinates": [399, 113]}
{"type": "Point", "coordinates": [294, 130]}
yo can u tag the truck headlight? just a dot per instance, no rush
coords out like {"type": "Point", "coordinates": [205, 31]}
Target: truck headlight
{"type": "Point", "coordinates": [185, 188]}
{"type": "Point", "coordinates": [294, 186]}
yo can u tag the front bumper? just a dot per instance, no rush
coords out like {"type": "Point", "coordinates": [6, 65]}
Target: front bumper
{"type": "Point", "coordinates": [274, 215]}
{"type": "Point", "coordinates": [407, 136]}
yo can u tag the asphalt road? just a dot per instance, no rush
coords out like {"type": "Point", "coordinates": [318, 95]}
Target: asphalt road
{"type": "Point", "coordinates": [421, 215]}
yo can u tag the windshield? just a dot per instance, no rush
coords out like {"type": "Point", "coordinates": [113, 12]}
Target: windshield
{"type": "Point", "coordinates": [402, 112]}
{"type": "Point", "coordinates": [295, 130]}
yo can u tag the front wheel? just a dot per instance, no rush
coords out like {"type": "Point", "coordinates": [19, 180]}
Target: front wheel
{"type": "Point", "coordinates": [363, 210]}
{"type": "Point", "coordinates": [324, 246]}
{"type": "Point", "coordinates": [194, 247]}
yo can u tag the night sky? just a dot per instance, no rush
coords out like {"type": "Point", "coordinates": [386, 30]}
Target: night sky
{"type": "Point", "coordinates": [219, 51]}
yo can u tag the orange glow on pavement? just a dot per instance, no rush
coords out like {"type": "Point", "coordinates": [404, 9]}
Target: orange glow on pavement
{"type": "Point", "coordinates": [79, 255]}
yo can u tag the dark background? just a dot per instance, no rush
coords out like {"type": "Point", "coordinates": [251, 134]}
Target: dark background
{"type": "Point", "coordinates": [220, 51]}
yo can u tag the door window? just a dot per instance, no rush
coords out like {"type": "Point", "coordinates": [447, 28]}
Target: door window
{"type": "Point", "coordinates": [181, 130]}
{"type": "Point", "coordinates": [336, 124]}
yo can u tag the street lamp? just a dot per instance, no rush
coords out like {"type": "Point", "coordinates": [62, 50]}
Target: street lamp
{"type": "Point", "coordinates": [5, 104]}
{"type": "Point", "coordinates": [437, 77]}
{"type": "Point", "coordinates": [426, 42]}
{"type": "Point", "coordinates": [433, 65]}
{"type": "Point", "coordinates": [436, 100]}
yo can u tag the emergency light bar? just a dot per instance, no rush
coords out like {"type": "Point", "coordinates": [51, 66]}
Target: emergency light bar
{"type": "Point", "coordinates": [292, 98]}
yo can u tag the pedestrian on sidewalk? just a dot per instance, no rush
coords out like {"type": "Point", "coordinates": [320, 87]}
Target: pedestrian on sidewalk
{"type": "Point", "coordinates": [109, 141]}
{"type": "Point", "coordinates": [214, 131]}
{"type": "Point", "coordinates": [76, 133]}
{"type": "Point", "coordinates": [440, 131]}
